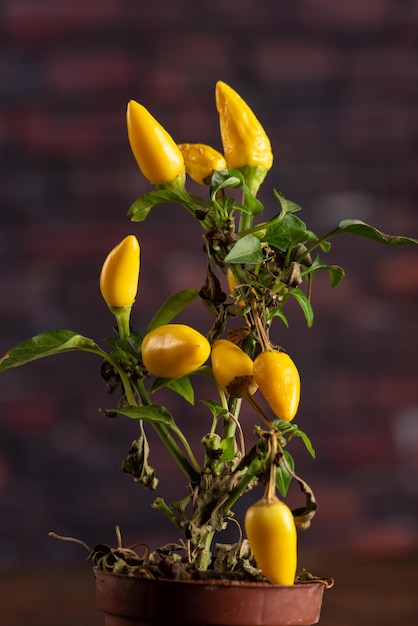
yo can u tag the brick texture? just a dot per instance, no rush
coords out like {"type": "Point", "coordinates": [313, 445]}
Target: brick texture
{"type": "Point", "coordinates": [335, 86]}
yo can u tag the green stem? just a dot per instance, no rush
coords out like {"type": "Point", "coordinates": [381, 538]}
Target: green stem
{"type": "Point", "coordinates": [245, 221]}
{"type": "Point", "coordinates": [238, 490]}
{"type": "Point", "coordinates": [191, 470]}
{"type": "Point", "coordinates": [130, 397]}
{"type": "Point", "coordinates": [171, 445]}
{"type": "Point", "coordinates": [318, 243]}
{"type": "Point", "coordinates": [204, 557]}
{"type": "Point", "coordinates": [229, 424]}
{"type": "Point", "coordinates": [122, 315]}
{"type": "Point", "coordinates": [188, 449]}
{"type": "Point", "coordinates": [161, 505]}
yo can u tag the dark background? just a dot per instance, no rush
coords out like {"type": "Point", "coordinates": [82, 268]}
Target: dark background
{"type": "Point", "coordinates": [335, 85]}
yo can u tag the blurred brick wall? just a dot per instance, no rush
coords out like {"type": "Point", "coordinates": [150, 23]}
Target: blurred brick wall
{"type": "Point", "coordinates": [335, 85]}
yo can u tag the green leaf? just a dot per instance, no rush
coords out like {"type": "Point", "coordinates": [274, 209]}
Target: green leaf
{"type": "Point", "coordinates": [215, 408]}
{"type": "Point", "coordinates": [336, 273]}
{"type": "Point", "coordinates": [181, 385]}
{"type": "Point", "coordinates": [290, 430]}
{"type": "Point", "coordinates": [152, 413]}
{"type": "Point", "coordinates": [357, 227]}
{"type": "Point", "coordinates": [287, 206]}
{"type": "Point", "coordinates": [234, 179]}
{"type": "Point", "coordinates": [246, 250]}
{"type": "Point", "coordinates": [304, 304]}
{"type": "Point", "coordinates": [325, 245]}
{"type": "Point", "coordinates": [283, 476]}
{"type": "Point", "coordinates": [47, 344]}
{"type": "Point", "coordinates": [277, 312]}
{"type": "Point", "coordinates": [286, 231]}
{"type": "Point", "coordinates": [229, 181]}
{"type": "Point", "coordinates": [172, 307]}
{"type": "Point", "coordinates": [140, 209]}
{"type": "Point", "coordinates": [204, 370]}
{"type": "Point", "coordinates": [307, 442]}
{"type": "Point", "coordinates": [225, 178]}
{"type": "Point", "coordinates": [131, 345]}
{"type": "Point", "coordinates": [228, 449]}
{"type": "Point", "coordinates": [252, 206]}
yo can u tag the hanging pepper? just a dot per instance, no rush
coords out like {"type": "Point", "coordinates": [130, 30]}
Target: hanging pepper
{"type": "Point", "coordinates": [201, 161]}
{"type": "Point", "coordinates": [245, 141]}
{"type": "Point", "coordinates": [173, 350]}
{"type": "Point", "coordinates": [279, 382]}
{"type": "Point", "coordinates": [155, 151]}
{"type": "Point", "coordinates": [232, 368]}
{"type": "Point", "coordinates": [120, 274]}
{"type": "Point", "coordinates": [271, 528]}
{"type": "Point", "coordinates": [271, 532]}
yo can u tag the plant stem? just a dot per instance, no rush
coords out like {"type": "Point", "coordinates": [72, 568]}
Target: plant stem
{"type": "Point", "coordinates": [204, 557]}
{"type": "Point", "coordinates": [160, 504]}
{"type": "Point", "coordinates": [171, 445]}
{"type": "Point", "coordinates": [130, 397]}
{"type": "Point", "coordinates": [188, 449]}
{"type": "Point", "coordinates": [238, 490]}
{"type": "Point", "coordinates": [122, 315]}
{"type": "Point", "coordinates": [270, 490]}
{"type": "Point", "coordinates": [229, 424]}
{"type": "Point", "coordinates": [191, 470]}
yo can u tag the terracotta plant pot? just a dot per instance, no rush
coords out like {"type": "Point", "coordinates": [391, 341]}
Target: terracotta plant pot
{"type": "Point", "coordinates": [128, 601]}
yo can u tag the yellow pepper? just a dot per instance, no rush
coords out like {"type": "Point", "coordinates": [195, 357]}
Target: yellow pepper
{"type": "Point", "coordinates": [279, 382]}
{"type": "Point", "coordinates": [232, 368]}
{"type": "Point", "coordinates": [271, 532]}
{"type": "Point", "coordinates": [155, 151]}
{"type": "Point", "coordinates": [173, 350]}
{"type": "Point", "coordinates": [232, 283]}
{"type": "Point", "coordinates": [245, 141]}
{"type": "Point", "coordinates": [201, 161]}
{"type": "Point", "coordinates": [120, 273]}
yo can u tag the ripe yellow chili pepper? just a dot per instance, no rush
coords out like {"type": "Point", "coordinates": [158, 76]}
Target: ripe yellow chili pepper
{"type": "Point", "coordinates": [173, 350]}
{"type": "Point", "coordinates": [271, 531]}
{"type": "Point", "coordinates": [155, 151]}
{"type": "Point", "coordinates": [201, 161]}
{"type": "Point", "coordinates": [279, 382]}
{"type": "Point", "coordinates": [120, 273]}
{"type": "Point", "coordinates": [232, 283]}
{"type": "Point", "coordinates": [244, 140]}
{"type": "Point", "coordinates": [232, 368]}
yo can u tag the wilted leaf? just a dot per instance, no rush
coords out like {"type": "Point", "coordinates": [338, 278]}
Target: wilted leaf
{"type": "Point", "coordinates": [136, 463]}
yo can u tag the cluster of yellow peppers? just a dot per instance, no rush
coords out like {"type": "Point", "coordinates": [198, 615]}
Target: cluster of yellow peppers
{"type": "Point", "coordinates": [162, 161]}
{"type": "Point", "coordinates": [175, 350]}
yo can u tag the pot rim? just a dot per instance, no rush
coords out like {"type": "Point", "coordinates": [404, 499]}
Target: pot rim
{"type": "Point", "coordinates": [213, 581]}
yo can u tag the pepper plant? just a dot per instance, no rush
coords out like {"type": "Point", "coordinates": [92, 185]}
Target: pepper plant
{"type": "Point", "coordinates": [251, 268]}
